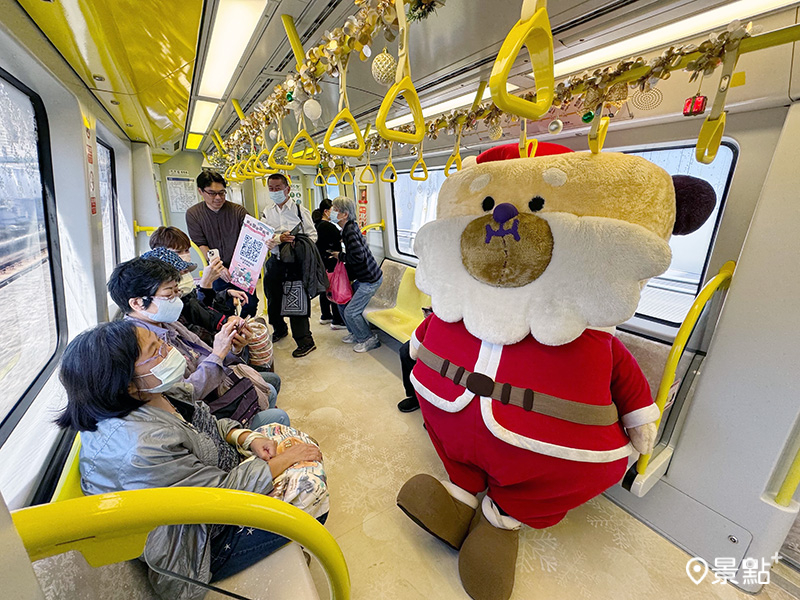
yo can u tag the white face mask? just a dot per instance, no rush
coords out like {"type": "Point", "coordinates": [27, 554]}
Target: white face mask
{"type": "Point", "coordinates": [168, 310]}
{"type": "Point", "coordinates": [169, 372]}
{"type": "Point", "coordinates": [334, 217]}
{"type": "Point", "coordinates": [278, 197]}
{"type": "Point", "coordinates": [186, 284]}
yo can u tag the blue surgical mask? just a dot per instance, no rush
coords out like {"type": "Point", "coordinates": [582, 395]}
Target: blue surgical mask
{"type": "Point", "coordinates": [168, 310]}
{"type": "Point", "coordinates": [334, 217]}
{"type": "Point", "coordinates": [169, 372]}
{"type": "Point", "coordinates": [278, 197]}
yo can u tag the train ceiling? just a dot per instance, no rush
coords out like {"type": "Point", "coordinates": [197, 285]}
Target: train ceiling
{"type": "Point", "coordinates": [139, 57]}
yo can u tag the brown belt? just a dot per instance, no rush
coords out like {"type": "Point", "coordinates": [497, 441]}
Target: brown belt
{"type": "Point", "coordinates": [543, 404]}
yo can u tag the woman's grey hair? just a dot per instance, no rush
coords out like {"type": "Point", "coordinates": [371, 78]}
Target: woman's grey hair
{"type": "Point", "coordinates": [345, 204]}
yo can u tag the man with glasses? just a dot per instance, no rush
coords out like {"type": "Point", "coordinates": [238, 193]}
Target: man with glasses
{"type": "Point", "coordinates": [215, 223]}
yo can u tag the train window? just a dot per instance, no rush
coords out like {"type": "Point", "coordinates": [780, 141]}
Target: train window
{"type": "Point", "coordinates": [667, 299]}
{"type": "Point", "coordinates": [30, 273]}
{"type": "Point", "coordinates": [108, 205]}
{"type": "Point", "coordinates": [414, 205]}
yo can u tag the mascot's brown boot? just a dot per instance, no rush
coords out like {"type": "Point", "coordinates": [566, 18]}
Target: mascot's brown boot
{"type": "Point", "coordinates": [427, 502]}
{"type": "Point", "coordinates": [488, 560]}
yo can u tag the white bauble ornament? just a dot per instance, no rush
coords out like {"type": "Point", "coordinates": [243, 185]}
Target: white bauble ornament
{"type": "Point", "coordinates": [273, 135]}
{"type": "Point", "coordinates": [495, 132]}
{"type": "Point", "coordinates": [384, 67]}
{"type": "Point", "coordinates": [556, 126]}
{"type": "Point", "coordinates": [312, 109]}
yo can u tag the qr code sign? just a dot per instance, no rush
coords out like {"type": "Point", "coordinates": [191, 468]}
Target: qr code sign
{"type": "Point", "coordinates": [251, 248]}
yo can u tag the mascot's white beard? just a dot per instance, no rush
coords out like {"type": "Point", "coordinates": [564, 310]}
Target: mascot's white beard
{"type": "Point", "coordinates": [593, 280]}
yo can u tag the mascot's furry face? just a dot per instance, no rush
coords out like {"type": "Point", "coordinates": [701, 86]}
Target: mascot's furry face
{"type": "Point", "coordinates": [548, 245]}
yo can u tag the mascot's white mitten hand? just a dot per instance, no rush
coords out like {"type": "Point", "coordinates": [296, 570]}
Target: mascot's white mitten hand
{"type": "Point", "coordinates": [643, 437]}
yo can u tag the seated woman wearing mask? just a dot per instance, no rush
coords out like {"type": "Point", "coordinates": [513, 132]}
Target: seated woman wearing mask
{"type": "Point", "coordinates": [204, 310]}
{"type": "Point", "coordinates": [146, 290]}
{"type": "Point", "coordinates": [141, 428]}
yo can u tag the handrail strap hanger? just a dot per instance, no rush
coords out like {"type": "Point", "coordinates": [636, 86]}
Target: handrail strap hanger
{"type": "Point", "coordinates": [532, 31]}
{"type": "Point", "coordinates": [711, 132]}
{"type": "Point", "coordinates": [598, 130]}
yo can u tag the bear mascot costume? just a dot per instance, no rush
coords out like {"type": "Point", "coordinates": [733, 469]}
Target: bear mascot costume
{"type": "Point", "coordinates": [525, 391]}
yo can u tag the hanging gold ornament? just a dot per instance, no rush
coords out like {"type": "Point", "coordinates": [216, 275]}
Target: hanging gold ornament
{"type": "Point", "coordinates": [384, 67]}
{"type": "Point", "coordinates": [495, 132]}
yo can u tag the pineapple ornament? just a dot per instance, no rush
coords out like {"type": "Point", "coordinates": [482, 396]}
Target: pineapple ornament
{"type": "Point", "coordinates": [384, 67]}
{"type": "Point", "coordinates": [495, 132]}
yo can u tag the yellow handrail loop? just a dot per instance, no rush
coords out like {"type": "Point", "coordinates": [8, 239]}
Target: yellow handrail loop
{"type": "Point", "coordinates": [720, 281]}
{"type": "Point", "coordinates": [336, 180]}
{"type": "Point", "coordinates": [109, 528]}
{"type": "Point", "coordinates": [347, 176]}
{"type": "Point", "coordinates": [402, 85]}
{"type": "Point", "coordinates": [598, 131]}
{"type": "Point", "coordinates": [455, 156]}
{"type": "Point", "coordinates": [527, 147]}
{"type": "Point", "coordinates": [420, 162]}
{"type": "Point", "coordinates": [389, 166]}
{"type": "Point", "coordinates": [346, 116]}
{"type": "Point", "coordinates": [310, 155]}
{"type": "Point", "coordinates": [368, 168]}
{"type": "Point", "coordinates": [280, 145]}
{"type": "Point", "coordinates": [319, 180]}
{"type": "Point", "coordinates": [714, 126]}
{"type": "Point", "coordinates": [532, 31]}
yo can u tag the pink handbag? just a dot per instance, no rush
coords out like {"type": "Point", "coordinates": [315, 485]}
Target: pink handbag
{"type": "Point", "coordinates": [340, 290]}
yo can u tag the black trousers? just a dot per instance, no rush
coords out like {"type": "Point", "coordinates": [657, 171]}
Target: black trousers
{"type": "Point", "coordinates": [406, 364]}
{"type": "Point", "coordinates": [329, 310]}
{"type": "Point", "coordinates": [276, 273]}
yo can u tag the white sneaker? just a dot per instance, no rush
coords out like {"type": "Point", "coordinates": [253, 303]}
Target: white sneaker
{"type": "Point", "coordinates": [349, 339]}
{"type": "Point", "coordinates": [337, 327]}
{"type": "Point", "coordinates": [325, 321]}
{"type": "Point", "coordinates": [370, 344]}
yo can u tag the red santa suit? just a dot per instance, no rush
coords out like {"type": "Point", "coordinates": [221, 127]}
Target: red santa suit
{"type": "Point", "coordinates": [536, 467]}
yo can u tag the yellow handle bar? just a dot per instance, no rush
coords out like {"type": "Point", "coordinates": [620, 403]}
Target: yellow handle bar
{"type": "Point", "coordinates": [721, 279]}
{"type": "Point", "coordinates": [110, 528]}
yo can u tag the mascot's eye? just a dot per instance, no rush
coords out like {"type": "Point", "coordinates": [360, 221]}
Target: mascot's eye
{"type": "Point", "coordinates": [488, 203]}
{"type": "Point", "coordinates": [536, 203]}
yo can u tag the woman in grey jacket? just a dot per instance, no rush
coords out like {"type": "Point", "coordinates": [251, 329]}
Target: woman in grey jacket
{"type": "Point", "coordinates": [142, 428]}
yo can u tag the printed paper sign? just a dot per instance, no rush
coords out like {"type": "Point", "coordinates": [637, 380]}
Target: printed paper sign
{"type": "Point", "coordinates": [251, 251]}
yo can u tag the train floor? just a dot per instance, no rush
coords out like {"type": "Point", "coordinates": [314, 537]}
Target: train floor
{"type": "Point", "coordinates": [347, 401]}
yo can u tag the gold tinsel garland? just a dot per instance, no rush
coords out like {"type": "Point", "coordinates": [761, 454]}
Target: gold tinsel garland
{"type": "Point", "coordinates": [596, 87]}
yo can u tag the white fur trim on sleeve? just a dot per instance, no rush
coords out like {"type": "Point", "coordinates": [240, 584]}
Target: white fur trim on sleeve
{"type": "Point", "coordinates": [642, 416]}
{"type": "Point", "coordinates": [414, 341]}
{"type": "Point", "coordinates": [439, 402]}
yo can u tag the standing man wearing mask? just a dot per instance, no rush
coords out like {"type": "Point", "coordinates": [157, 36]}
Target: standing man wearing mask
{"type": "Point", "coordinates": [283, 216]}
{"type": "Point", "coordinates": [216, 223]}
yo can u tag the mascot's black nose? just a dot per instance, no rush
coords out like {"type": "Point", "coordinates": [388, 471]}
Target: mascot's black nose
{"type": "Point", "coordinates": [504, 212]}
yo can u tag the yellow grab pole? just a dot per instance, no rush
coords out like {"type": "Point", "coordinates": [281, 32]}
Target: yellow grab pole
{"type": "Point", "coordinates": [681, 339]}
{"type": "Point", "coordinates": [238, 108]}
{"type": "Point", "coordinates": [294, 39]}
{"type": "Point", "coordinates": [789, 485]}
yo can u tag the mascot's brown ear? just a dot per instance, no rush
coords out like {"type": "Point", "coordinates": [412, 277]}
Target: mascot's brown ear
{"type": "Point", "coordinates": [695, 200]}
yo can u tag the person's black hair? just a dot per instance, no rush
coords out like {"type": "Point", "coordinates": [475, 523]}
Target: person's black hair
{"type": "Point", "coordinates": [325, 204]}
{"type": "Point", "coordinates": [207, 177]}
{"type": "Point", "coordinates": [96, 370]}
{"type": "Point", "coordinates": [280, 176]}
{"type": "Point", "coordinates": [316, 216]}
{"type": "Point", "coordinates": [139, 278]}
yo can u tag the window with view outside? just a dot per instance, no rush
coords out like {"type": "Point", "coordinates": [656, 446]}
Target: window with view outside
{"type": "Point", "coordinates": [108, 207]}
{"type": "Point", "coordinates": [28, 330]}
{"type": "Point", "coordinates": [414, 205]}
{"type": "Point", "coordinates": [670, 296]}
